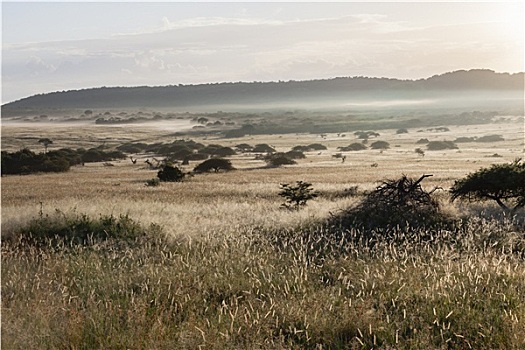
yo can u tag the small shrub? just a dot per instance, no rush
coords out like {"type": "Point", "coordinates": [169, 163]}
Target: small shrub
{"type": "Point", "coordinates": [402, 131]}
{"type": "Point", "coordinates": [297, 196]}
{"type": "Point", "coordinates": [422, 141]}
{"type": "Point", "coordinates": [153, 182]}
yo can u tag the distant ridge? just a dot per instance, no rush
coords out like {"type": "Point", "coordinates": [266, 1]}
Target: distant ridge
{"type": "Point", "coordinates": [243, 93]}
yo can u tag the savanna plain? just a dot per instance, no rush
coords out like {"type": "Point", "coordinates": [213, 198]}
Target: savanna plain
{"type": "Point", "coordinates": [216, 262]}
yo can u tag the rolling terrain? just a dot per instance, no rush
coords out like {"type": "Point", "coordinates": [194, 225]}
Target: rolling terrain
{"type": "Point", "coordinates": [479, 89]}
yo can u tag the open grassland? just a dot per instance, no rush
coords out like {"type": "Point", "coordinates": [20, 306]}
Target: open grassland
{"type": "Point", "coordinates": [224, 266]}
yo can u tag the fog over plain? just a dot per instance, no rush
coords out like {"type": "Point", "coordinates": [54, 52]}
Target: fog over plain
{"type": "Point", "coordinates": [61, 46]}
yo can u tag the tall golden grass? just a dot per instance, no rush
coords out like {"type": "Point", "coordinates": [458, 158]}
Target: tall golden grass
{"type": "Point", "coordinates": [232, 269]}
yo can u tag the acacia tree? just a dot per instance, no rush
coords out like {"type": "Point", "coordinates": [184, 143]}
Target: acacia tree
{"type": "Point", "coordinates": [215, 164]}
{"type": "Point", "coordinates": [297, 196]}
{"type": "Point", "coordinates": [46, 142]}
{"type": "Point", "coordinates": [503, 183]}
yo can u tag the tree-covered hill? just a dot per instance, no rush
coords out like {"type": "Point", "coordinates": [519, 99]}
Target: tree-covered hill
{"type": "Point", "coordinates": [473, 82]}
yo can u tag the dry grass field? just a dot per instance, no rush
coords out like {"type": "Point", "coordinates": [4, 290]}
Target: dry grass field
{"type": "Point", "coordinates": [225, 267]}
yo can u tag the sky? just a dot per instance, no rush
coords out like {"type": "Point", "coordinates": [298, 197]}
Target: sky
{"type": "Point", "coordinates": [57, 46]}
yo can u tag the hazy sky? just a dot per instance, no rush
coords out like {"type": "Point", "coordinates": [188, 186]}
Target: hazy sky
{"type": "Point", "coordinates": [72, 45]}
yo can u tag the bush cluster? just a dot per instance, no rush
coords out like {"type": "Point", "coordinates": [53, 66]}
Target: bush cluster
{"type": "Point", "coordinates": [26, 161]}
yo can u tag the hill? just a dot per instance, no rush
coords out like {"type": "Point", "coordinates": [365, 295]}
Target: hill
{"type": "Point", "coordinates": [337, 91]}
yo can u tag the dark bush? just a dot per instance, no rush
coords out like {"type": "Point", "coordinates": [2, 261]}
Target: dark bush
{"type": "Point", "coordinates": [402, 131]}
{"type": "Point", "coordinates": [263, 148]}
{"type": "Point", "coordinates": [422, 141]}
{"type": "Point", "coordinates": [224, 152]}
{"type": "Point", "coordinates": [244, 147]}
{"type": "Point", "coordinates": [66, 230]}
{"type": "Point", "coordinates": [490, 138]}
{"type": "Point", "coordinates": [27, 162]}
{"type": "Point", "coordinates": [317, 147]}
{"type": "Point", "coordinates": [380, 145]}
{"type": "Point", "coordinates": [170, 173]}
{"type": "Point", "coordinates": [295, 155]}
{"type": "Point", "coordinates": [441, 145]}
{"type": "Point", "coordinates": [132, 147]}
{"type": "Point", "coordinates": [465, 139]}
{"type": "Point", "coordinates": [301, 148]}
{"type": "Point", "coordinates": [394, 204]}
{"type": "Point", "coordinates": [197, 156]}
{"type": "Point", "coordinates": [366, 134]}
{"type": "Point", "coordinates": [279, 159]}
{"type": "Point", "coordinates": [353, 147]}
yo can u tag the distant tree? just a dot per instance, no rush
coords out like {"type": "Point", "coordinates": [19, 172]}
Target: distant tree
{"type": "Point", "coordinates": [502, 183]}
{"type": "Point", "coordinates": [490, 138]}
{"type": "Point", "coordinates": [170, 173]}
{"type": "Point", "coordinates": [366, 134]}
{"type": "Point", "coordinates": [380, 145]}
{"type": "Point", "coordinates": [279, 159]}
{"type": "Point", "coordinates": [46, 142]}
{"type": "Point", "coordinates": [215, 164]}
{"type": "Point", "coordinates": [441, 145]}
{"type": "Point", "coordinates": [317, 147]}
{"type": "Point", "coordinates": [244, 147]}
{"type": "Point", "coordinates": [356, 146]}
{"type": "Point", "coordinates": [263, 148]}
{"type": "Point", "coordinates": [402, 131]}
{"type": "Point", "coordinates": [301, 148]}
{"type": "Point", "coordinates": [224, 152]}
{"type": "Point", "coordinates": [422, 141]}
{"type": "Point", "coordinates": [465, 139]}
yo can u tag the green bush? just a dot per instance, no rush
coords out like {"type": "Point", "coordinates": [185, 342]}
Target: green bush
{"type": "Point", "coordinates": [297, 196]}
{"type": "Point", "coordinates": [61, 229]}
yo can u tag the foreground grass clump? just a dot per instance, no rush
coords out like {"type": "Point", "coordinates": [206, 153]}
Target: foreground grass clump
{"type": "Point", "coordinates": [303, 289]}
{"type": "Point", "coordinates": [73, 228]}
